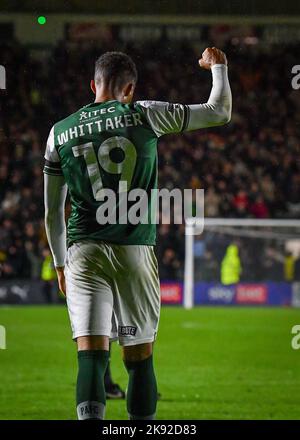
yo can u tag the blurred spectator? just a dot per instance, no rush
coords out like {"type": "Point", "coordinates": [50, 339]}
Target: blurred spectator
{"type": "Point", "coordinates": [231, 266]}
{"type": "Point", "coordinates": [48, 276]}
{"type": "Point", "coordinates": [259, 207]}
{"type": "Point", "coordinates": [249, 168]}
{"type": "Point", "coordinates": [289, 267]}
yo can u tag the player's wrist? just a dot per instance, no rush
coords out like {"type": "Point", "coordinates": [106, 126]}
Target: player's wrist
{"type": "Point", "coordinates": [219, 65]}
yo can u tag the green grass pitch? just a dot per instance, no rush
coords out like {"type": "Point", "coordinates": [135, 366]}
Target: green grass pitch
{"type": "Point", "coordinates": [212, 363]}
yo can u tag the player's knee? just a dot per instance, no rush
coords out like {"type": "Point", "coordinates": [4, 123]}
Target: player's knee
{"type": "Point", "coordinates": [93, 343]}
{"type": "Point", "coordinates": [136, 353]}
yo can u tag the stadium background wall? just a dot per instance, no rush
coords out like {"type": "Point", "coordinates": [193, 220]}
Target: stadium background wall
{"type": "Point", "coordinates": [28, 292]}
{"type": "Point", "coordinates": [159, 7]}
{"type": "Point", "coordinates": [26, 29]}
{"type": "Point", "coordinates": [146, 27]}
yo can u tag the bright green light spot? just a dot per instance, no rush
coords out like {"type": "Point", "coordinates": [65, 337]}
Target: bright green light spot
{"type": "Point", "coordinates": [41, 19]}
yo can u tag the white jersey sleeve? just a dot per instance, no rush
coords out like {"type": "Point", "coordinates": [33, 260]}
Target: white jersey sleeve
{"type": "Point", "coordinates": [52, 159]}
{"type": "Point", "coordinates": [55, 192]}
{"type": "Point", "coordinates": [165, 118]}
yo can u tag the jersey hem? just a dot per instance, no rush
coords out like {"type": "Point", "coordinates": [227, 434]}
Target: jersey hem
{"type": "Point", "coordinates": [117, 242]}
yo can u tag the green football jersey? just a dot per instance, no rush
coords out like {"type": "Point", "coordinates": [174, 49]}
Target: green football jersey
{"type": "Point", "coordinates": [106, 151]}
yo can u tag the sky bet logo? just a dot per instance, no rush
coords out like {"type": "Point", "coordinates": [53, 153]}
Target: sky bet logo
{"type": "Point", "coordinates": [2, 77]}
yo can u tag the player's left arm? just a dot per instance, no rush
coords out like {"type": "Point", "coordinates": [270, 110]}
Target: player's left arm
{"type": "Point", "coordinates": [55, 192]}
{"type": "Point", "coordinates": [165, 118]}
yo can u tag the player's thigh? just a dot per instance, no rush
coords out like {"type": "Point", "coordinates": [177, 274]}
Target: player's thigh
{"type": "Point", "coordinates": [89, 292]}
{"type": "Point", "coordinates": [136, 294]}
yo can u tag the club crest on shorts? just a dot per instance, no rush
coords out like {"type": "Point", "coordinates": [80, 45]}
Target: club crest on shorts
{"type": "Point", "coordinates": [126, 330]}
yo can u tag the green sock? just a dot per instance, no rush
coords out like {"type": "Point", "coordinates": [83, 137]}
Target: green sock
{"type": "Point", "coordinates": [142, 390]}
{"type": "Point", "coordinates": [90, 393]}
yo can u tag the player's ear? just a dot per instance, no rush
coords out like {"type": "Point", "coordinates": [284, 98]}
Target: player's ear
{"type": "Point", "coordinates": [93, 86]}
{"type": "Point", "coordinates": [127, 92]}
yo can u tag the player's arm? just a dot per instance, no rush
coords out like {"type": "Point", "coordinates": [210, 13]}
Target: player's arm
{"type": "Point", "coordinates": [167, 118]}
{"type": "Point", "coordinates": [55, 192]}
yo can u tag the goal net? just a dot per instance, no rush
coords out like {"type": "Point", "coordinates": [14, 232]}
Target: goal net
{"type": "Point", "coordinates": [242, 261]}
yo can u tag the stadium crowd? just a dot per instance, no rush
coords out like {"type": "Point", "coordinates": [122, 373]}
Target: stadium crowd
{"type": "Point", "coordinates": [249, 168]}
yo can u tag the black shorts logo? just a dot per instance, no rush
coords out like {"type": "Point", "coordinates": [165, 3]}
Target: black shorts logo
{"type": "Point", "coordinates": [127, 330]}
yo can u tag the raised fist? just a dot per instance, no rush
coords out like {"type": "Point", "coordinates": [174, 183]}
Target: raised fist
{"type": "Point", "coordinates": [212, 56]}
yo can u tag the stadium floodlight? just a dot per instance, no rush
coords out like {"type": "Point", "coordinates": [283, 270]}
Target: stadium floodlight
{"type": "Point", "coordinates": [260, 233]}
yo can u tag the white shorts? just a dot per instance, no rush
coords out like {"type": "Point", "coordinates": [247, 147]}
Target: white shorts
{"type": "Point", "coordinates": [113, 290]}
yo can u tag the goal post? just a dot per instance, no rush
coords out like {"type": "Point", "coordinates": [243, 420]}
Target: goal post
{"type": "Point", "coordinates": [254, 236]}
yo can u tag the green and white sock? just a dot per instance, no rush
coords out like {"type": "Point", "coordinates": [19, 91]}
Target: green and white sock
{"type": "Point", "coordinates": [90, 392]}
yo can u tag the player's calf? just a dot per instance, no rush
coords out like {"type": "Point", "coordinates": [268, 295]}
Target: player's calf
{"type": "Point", "coordinates": [142, 387]}
{"type": "Point", "coordinates": [93, 357]}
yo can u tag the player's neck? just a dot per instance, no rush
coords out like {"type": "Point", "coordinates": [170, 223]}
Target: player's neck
{"type": "Point", "coordinates": [104, 96]}
{"type": "Point", "coordinates": [104, 99]}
